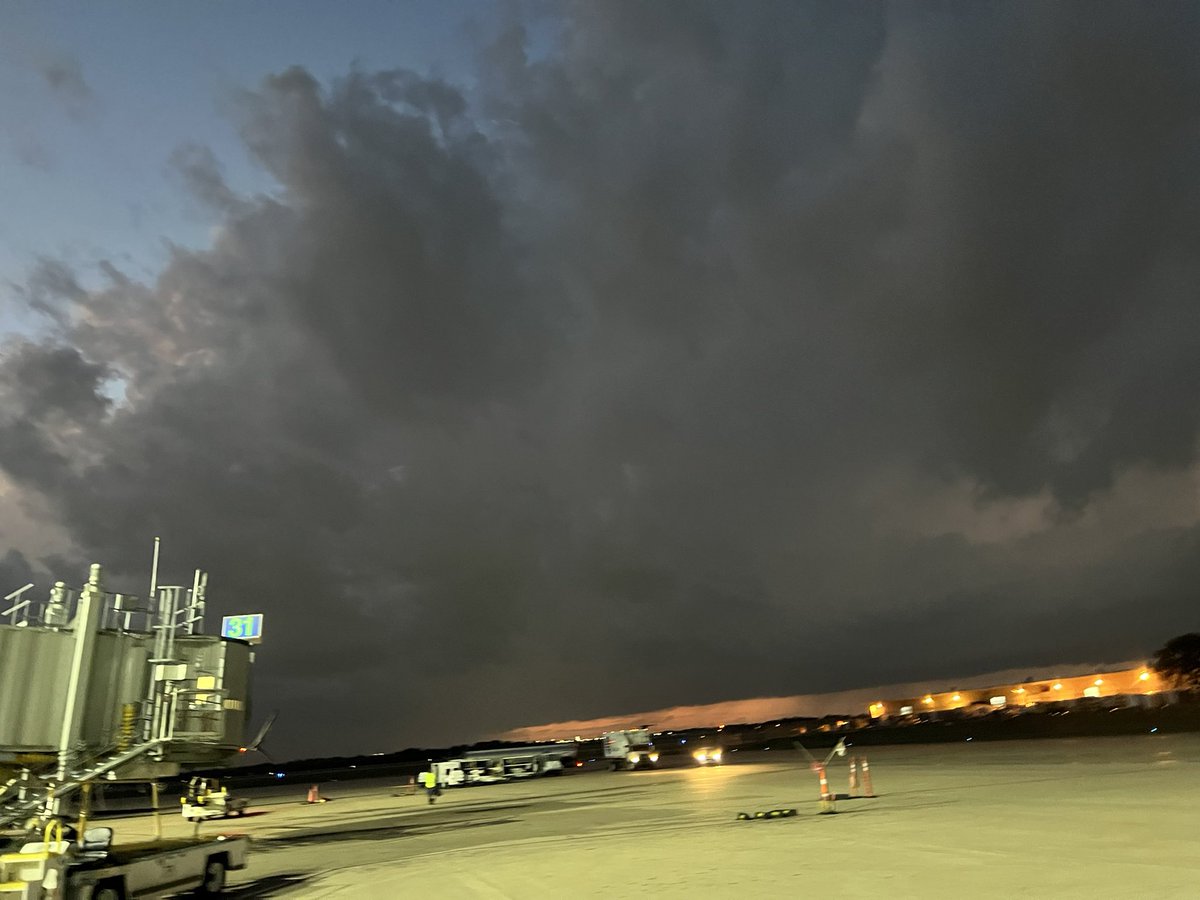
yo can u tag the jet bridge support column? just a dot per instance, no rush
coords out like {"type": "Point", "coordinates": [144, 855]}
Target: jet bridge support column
{"type": "Point", "coordinates": [87, 616]}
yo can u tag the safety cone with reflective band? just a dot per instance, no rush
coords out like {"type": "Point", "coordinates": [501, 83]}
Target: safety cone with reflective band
{"type": "Point", "coordinates": [827, 804]}
{"type": "Point", "coordinates": [853, 775]}
{"type": "Point", "coordinates": [314, 795]}
{"type": "Point", "coordinates": [868, 790]}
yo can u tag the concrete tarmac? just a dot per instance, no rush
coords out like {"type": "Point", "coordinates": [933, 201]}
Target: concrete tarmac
{"type": "Point", "coordinates": [1076, 818]}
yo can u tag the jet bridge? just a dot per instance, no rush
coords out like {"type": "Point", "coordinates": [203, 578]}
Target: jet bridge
{"type": "Point", "coordinates": [97, 684]}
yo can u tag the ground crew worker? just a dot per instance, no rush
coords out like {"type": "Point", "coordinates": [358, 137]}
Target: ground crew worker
{"type": "Point", "coordinates": [429, 779]}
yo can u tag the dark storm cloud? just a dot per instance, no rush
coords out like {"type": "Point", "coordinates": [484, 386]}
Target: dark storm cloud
{"type": "Point", "coordinates": [707, 353]}
{"type": "Point", "coordinates": [15, 572]}
{"type": "Point", "coordinates": [49, 397]}
{"type": "Point", "coordinates": [200, 171]}
{"type": "Point", "coordinates": [53, 380]}
{"type": "Point", "coordinates": [401, 263]}
{"type": "Point", "coordinates": [1049, 244]}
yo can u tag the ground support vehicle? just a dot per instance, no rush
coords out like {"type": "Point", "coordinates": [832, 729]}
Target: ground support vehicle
{"type": "Point", "coordinates": [206, 799]}
{"type": "Point", "coordinates": [505, 763]}
{"type": "Point", "coordinates": [91, 869]}
{"type": "Point", "coordinates": [630, 749]}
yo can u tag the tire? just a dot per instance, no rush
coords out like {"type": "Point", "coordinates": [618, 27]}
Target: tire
{"type": "Point", "coordinates": [214, 877]}
{"type": "Point", "coordinates": [107, 892]}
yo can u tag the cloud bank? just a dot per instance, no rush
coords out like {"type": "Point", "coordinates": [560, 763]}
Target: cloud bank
{"type": "Point", "coordinates": [706, 352]}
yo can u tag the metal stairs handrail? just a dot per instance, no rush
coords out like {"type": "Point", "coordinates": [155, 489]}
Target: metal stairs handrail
{"type": "Point", "coordinates": [18, 808]}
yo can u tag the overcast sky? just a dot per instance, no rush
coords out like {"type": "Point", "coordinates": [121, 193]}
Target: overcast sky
{"type": "Point", "coordinates": [544, 362]}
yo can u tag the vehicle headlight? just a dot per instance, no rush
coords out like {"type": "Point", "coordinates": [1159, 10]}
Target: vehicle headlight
{"type": "Point", "coordinates": [716, 755]}
{"type": "Point", "coordinates": [653, 757]}
{"type": "Point", "coordinates": [633, 758]}
{"type": "Point", "coordinates": [700, 756]}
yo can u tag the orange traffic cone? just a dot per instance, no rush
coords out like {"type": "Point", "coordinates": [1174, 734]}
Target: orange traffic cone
{"type": "Point", "coordinates": [827, 805]}
{"type": "Point", "coordinates": [853, 775]}
{"type": "Point", "coordinates": [868, 791]}
{"type": "Point", "coordinates": [314, 795]}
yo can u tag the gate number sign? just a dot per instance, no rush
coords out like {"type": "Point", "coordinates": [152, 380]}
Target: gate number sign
{"type": "Point", "coordinates": [243, 628]}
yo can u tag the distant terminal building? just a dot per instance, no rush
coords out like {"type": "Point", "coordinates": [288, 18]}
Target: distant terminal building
{"type": "Point", "coordinates": [1140, 681]}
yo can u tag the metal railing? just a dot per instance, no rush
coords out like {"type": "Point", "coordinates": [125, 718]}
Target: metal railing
{"type": "Point", "coordinates": [197, 714]}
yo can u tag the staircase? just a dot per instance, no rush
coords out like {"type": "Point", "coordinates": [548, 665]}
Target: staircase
{"type": "Point", "coordinates": [15, 808]}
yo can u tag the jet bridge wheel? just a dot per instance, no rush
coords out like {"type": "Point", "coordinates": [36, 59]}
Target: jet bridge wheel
{"type": "Point", "coordinates": [108, 892]}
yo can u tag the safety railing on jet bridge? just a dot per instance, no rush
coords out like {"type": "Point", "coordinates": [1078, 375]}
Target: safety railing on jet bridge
{"type": "Point", "coordinates": [197, 715]}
